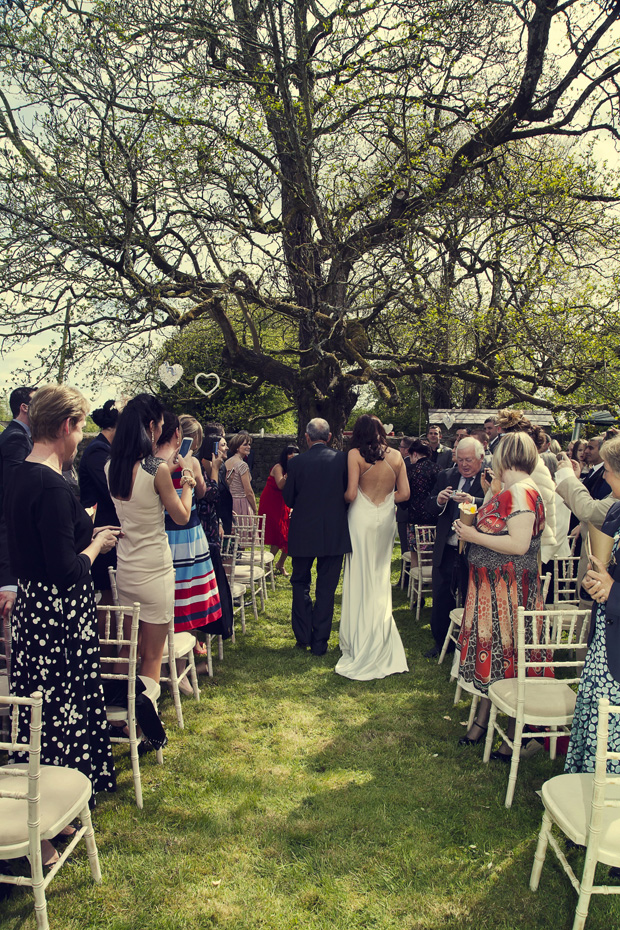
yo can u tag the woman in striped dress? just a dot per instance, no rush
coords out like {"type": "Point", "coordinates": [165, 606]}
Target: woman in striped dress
{"type": "Point", "coordinates": [196, 597]}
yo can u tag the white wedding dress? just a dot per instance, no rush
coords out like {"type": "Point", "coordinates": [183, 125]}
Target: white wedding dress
{"type": "Point", "coordinates": [370, 643]}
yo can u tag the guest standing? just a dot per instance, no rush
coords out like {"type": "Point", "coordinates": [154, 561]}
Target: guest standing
{"type": "Point", "coordinates": [94, 491]}
{"type": "Point", "coordinates": [277, 514]}
{"type": "Point", "coordinates": [421, 474]}
{"type": "Point", "coordinates": [196, 597]}
{"type": "Point", "coordinates": [238, 474]}
{"type": "Point", "coordinates": [141, 487]}
{"type": "Point", "coordinates": [55, 647]}
{"type": "Point", "coordinates": [503, 575]}
{"type": "Point", "coordinates": [15, 445]}
{"type": "Point", "coordinates": [215, 510]}
{"type": "Point", "coordinates": [601, 674]}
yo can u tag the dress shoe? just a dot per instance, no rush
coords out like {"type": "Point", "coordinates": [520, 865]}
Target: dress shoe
{"type": "Point", "coordinates": [431, 653]}
{"type": "Point", "coordinates": [468, 741]}
{"type": "Point", "coordinates": [301, 646]}
{"type": "Point", "coordinates": [498, 756]}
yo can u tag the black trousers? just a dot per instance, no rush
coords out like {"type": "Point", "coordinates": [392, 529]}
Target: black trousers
{"type": "Point", "coordinates": [402, 534]}
{"type": "Point", "coordinates": [312, 623]}
{"type": "Point", "coordinates": [450, 576]}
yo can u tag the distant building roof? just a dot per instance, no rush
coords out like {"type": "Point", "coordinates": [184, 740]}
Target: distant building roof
{"type": "Point", "coordinates": [450, 417]}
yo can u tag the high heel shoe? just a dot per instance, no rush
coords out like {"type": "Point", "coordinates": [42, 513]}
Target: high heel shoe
{"type": "Point", "coordinates": [469, 741]}
{"type": "Point", "coordinates": [498, 756]}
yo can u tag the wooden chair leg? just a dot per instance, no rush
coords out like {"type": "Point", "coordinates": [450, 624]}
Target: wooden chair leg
{"type": "Point", "coordinates": [541, 851]}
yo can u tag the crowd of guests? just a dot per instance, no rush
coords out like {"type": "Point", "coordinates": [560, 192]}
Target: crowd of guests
{"type": "Point", "coordinates": [532, 502]}
{"type": "Point", "coordinates": [157, 494]}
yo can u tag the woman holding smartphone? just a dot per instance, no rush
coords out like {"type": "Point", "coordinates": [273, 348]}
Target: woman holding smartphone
{"type": "Point", "coordinates": [141, 486]}
{"type": "Point", "coordinates": [196, 596]}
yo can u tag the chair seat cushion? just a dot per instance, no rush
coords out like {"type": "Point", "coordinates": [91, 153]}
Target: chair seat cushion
{"type": "Point", "coordinates": [568, 799]}
{"type": "Point", "coordinates": [183, 644]}
{"type": "Point", "coordinates": [60, 788]}
{"type": "Point", "coordinates": [546, 700]}
{"type": "Point", "coordinates": [238, 589]}
{"type": "Point", "coordinates": [243, 572]}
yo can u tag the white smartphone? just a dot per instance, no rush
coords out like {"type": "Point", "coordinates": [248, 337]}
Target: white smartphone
{"type": "Point", "coordinates": [185, 446]}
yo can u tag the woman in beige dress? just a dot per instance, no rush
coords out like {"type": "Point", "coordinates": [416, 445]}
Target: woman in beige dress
{"type": "Point", "coordinates": [141, 487]}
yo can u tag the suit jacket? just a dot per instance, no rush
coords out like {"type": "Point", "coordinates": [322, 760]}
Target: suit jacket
{"type": "Point", "coordinates": [596, 484]}
{"type": "Point", "coordinates": [612, 607]}
{"type": "Point", "coordinates": [315, 486]}
{"type": "Point", "coordinates": [448, 478]}
{"type": "Point", "coordinates": [15, 446]}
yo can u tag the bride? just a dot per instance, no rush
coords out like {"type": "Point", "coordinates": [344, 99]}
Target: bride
{"type": "Point", "coordinates": [370, 643]}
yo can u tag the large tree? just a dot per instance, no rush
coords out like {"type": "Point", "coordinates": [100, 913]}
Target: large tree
{"type": "Point", "coordinates": [164, 161]}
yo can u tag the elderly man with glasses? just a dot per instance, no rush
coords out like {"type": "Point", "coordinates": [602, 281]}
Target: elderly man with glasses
{"type": "Point", "coordinates": [450, 569]}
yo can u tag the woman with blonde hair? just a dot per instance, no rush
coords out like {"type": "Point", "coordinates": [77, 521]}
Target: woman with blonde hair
{"type": "Point", "coordinates": [52, 544]}
{"type": "Point", "coordinates": [503, 575]}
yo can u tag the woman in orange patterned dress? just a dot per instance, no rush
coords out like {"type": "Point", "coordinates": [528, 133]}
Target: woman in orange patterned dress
{"type": "Point", "coordinates": [503, 575]}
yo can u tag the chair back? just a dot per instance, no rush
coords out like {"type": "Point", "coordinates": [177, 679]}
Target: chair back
{"type": "Point", "coordinates": [114, 637]}
{"type": "Point", "coordinates": [602, 781]}
{"type": "Point", "coordinates": [33, 748]}
{"type": "Point", "coordinates": [550, 639]}
{"type": "Point", "coordinates": [565, 579]}
{"type": "Point", "coordinates": [247, 529]}
{"type": "Point", "coordinates": [113, 585]}
{"type": "Point", "coordinates": [424, 542]}
{"type": "Point", "coordinates": [228, 552]}
{"type": "Point", "coordinates": [5, 649]}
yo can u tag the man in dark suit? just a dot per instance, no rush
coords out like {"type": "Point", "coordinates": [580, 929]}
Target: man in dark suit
{"type": "Point", "coordinates": [594, 481]}
{"type": "Point", "coordinates": [440, 455]}
{"type": "Point", "coordinates": [493, 433]}
{"type": "Point", "coordinates": [450, 569]}
{"type": "Point", "coordinates": [15, 446]}
{"type": "Point", "coordinates": [315, 486]}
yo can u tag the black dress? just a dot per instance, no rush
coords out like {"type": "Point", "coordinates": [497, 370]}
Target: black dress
{"type": "Point", "coordinates": [55, 646]}
{"type": "Point", "coordinates": [94, 490]}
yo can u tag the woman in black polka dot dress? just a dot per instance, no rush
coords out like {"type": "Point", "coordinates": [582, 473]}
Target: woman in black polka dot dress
{"type": "Point", "coordinates": [55, 647]}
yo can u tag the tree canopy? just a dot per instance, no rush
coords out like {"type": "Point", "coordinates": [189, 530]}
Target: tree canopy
{"type": "Point", "coordinates": [389, 181]}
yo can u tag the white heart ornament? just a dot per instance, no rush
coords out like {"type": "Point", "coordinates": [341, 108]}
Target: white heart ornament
{"type": "Point", "coordinates": [388, 427]}
{"type": "Point", "coordinates": [448, 420]}
{"type": "Point", "coordinates": [211, 374]}
{"type": "Point", "coordinates": [170, 374]}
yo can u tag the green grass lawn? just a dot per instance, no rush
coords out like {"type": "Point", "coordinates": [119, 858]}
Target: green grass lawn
{"type": "Point", "coordinates": [295, 798]}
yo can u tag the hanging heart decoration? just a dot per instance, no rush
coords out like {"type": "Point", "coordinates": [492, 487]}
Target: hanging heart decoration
{"type": "Point", "coordinates": [170, 374]}
{"type": "Point", "coordinates": [388, 427]}
{"type": "Point", "coordinates": [211, 374]}
{"type": "Point", "coordinates": [448, 420]}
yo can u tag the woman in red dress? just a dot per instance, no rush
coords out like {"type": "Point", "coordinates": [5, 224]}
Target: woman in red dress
{"type": "Point", "coordinates": [503, 575]}
{"type": "Point", "coordinates": [277, 514]}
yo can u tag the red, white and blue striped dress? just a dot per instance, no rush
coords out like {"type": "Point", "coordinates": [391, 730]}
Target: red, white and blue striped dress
{"type": "Point", "coordinates": [196, 597]}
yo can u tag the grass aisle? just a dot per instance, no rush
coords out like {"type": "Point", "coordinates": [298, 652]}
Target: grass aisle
{"type": "Point", "coordinates": [295, 798]}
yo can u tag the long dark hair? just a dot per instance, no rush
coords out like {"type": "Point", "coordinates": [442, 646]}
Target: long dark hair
{"type": "Point", "coordinates": [286, 451]}
{"type": "Point", "coordinates": [171, 424]}
{"type": "Point", "coordinates": [106, 417]}
{"type": "Point", "coordinates": [370, 438]}
{"type": "Point", "coordinates": [132, 441]}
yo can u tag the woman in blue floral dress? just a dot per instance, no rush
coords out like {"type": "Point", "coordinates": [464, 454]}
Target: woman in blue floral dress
{"type": "Point", "coordinates": [601, 673]}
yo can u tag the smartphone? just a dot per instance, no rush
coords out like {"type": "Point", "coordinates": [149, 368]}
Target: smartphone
{"type": "Point", "coordinates": [185, 446]}
{"type": "Point", "coordinates": [488, 475]}
{"type": "Point", "coordinates": [216, 446]}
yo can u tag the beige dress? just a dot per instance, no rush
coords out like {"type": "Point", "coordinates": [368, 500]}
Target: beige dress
{"type": "Point", "coordinates": [145, 572]}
